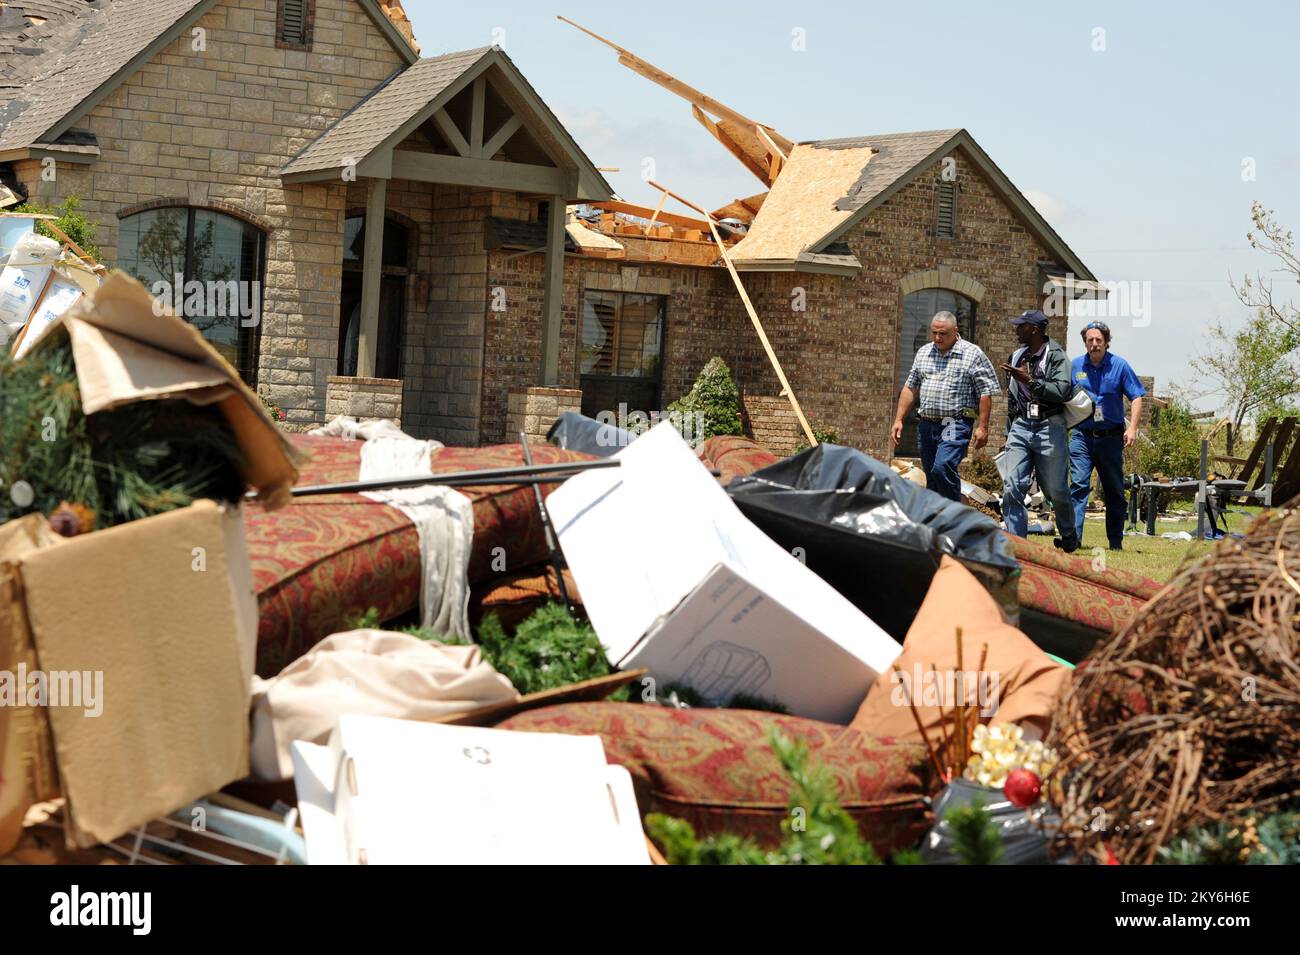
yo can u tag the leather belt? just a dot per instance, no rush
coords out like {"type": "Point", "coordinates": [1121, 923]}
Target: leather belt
{"type": "Point", "coordinates": [1104, 432]}
{"type": "Point", "coordinates": [941, 417]}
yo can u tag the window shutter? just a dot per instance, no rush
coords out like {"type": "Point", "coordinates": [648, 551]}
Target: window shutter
{"type": "Point", "coordinates": [946, 226]}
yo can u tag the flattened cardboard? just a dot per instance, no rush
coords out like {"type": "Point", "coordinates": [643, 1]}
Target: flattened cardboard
{"type": "Point", "coordinates": [130, 602]}
{"type": "Point", "coordinates": [27, 765]}
{"type": "Point", "coordinates": [167, 349]}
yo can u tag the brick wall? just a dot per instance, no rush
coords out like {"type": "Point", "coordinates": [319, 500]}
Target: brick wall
{"type": "Point", "coordinates": [841, 354]}
{"type": "Point", "coordinates": [772, 423]}
{"type": "Point", "coordinates": [214, 128]}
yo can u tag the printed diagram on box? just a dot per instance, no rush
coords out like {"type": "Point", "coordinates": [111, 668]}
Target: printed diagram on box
{"type": "Point", "coordinates": [724, 669]}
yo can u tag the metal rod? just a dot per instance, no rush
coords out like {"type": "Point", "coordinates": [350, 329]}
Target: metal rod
{"type": "Point", "coordinates": [546, 529]}
{"type": "Point", "coordinates": [511, 475]}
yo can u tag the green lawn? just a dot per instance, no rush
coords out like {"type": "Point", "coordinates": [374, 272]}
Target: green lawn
{"type": "Point", "coordinates": [1155, 557]}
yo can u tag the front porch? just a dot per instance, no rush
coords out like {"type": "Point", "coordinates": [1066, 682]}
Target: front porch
{"type": "Point", "coordinates": [434, 154]}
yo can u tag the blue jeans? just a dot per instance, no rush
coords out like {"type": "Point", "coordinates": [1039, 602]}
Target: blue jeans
{"type": "Point", "coordinates": [1037, 446]}
{"type": "Point", "coordinates": [943, 445]}
{"type": "Point", "coordinates": [1107, 456]}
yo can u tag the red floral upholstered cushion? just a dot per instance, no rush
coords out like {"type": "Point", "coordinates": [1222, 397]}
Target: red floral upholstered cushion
{"type": "Point", "coordinates": [322, 560]}
{"type": "Point", "coordinates": [1067, 604]}
{"type": "Point", "coordinates": [734, 456]}
{"type": "Point", "coordinates": [715, 769]}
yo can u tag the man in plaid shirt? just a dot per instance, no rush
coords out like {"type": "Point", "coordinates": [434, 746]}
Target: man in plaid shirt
{"type": "Point", "coordinates": [955, 382]}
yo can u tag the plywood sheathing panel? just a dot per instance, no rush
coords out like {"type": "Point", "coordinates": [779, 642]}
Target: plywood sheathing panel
{"type": "Point", "coordinates": [590, 241]}
{"type": "Point", "coordinates": [803, 204]}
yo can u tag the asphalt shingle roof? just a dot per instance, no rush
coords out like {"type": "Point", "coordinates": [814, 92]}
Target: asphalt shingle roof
{"type": "Point", "coordinates": [375, 118]}
{"type": "Point", "coordinates": [49, 68]}
{"type": "Point", "coordinates": [895, 155]}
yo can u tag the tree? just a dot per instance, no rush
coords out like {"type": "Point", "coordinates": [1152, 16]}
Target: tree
{"type": "Point", "coordinates": [1257, 293]}
{"type": "Point", "coordinates": [1253, 368]}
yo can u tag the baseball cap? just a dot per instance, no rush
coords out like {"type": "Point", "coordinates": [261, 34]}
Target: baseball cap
{"type": "Point", "coordinates": [1033, 317]}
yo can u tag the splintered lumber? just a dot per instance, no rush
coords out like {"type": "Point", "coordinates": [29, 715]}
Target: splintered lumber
{"type": "Point", "coordinates": [786, 389]}
{"type": "Point", "coordinates": [645, 212]}
{"type": "Point", "coordinates": [673, 85]}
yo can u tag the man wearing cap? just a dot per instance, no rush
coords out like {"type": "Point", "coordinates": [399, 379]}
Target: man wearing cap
{"type": "Point", "coordinates": [1038, 386]}
{"type": "Point", "coordinates": [1099, 442]}
{"type": "Point", "coordinates": [953, 378]}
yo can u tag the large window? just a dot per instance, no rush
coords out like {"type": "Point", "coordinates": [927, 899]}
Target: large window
{"type": "Point", "coordinates": [622, 341]}
{"type": "Point", "coordinates": [208, 264]}
{"type": "Point", "coordinates": [918, 311]}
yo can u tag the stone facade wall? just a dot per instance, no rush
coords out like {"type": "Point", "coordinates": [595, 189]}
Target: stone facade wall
{"type": "Point", "coordinates": [364, 398]}
{"type": "Point", "coordinates": [213, 128]}
{"type": "Point", "coordinates": [533, 410]}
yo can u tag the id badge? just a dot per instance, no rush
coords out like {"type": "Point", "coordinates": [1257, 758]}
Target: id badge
{"type": "Point", "coordinates": [1097, 413]}
{"type": "Point", "coordinates": [1033, 410]}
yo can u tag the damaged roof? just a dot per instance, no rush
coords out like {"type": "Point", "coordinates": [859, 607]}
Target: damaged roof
{"type": "Point", "coordinates": [826, 186]}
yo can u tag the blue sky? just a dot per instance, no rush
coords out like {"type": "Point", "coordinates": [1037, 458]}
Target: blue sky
{"type": "Point", "coordinates": [1132, 141]}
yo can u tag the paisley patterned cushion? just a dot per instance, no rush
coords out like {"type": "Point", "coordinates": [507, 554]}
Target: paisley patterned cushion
{"type": "Point", "coordinates": [324, 559]}
{"type": "Point", "coordinates": [715, 769]}
{"type": "Point", "coordinates": [734, 456]}
{"type": "Point", "coordinates": [1060, 585]}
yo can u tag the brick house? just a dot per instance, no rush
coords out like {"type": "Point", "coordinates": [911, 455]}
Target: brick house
{"type": "Point", "coordinates": [251, 140]}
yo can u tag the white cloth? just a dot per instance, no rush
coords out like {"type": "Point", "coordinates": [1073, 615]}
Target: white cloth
{"type": "Point", "coordinates": [374, 672]}
{"type": "Point", "coordinates": [443, 517]}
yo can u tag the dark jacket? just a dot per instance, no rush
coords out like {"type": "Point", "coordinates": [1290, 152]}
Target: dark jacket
{"type": "Point", "coordinates": [1052, 390]}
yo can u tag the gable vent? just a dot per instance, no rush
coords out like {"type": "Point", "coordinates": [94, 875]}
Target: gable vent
{"type": "Point", "coordinates": [946, 225]}
{"type": "Point", "coordinates": [295, 18]}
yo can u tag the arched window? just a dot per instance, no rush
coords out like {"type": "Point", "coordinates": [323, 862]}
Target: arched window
{"type": "Point", "coordinates": [205, 265]}
{"type": "Point", "coordinates": [918, 311]}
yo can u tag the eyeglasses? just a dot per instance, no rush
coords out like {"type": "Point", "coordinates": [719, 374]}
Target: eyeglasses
{"type": "Point", "coordinates": [1100, 326]}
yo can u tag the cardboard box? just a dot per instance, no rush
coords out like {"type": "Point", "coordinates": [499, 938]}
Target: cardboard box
{"type": "Point", "coordinates": [161, 611]}
{"type": "Point", "coordinates": [674, 578]}
{"type": "Point", "coordinates": [22, 281]}
{"type": "Point", "coordinates": [67, 283]}
{"type": "Point", "coordinates": [386, 791]}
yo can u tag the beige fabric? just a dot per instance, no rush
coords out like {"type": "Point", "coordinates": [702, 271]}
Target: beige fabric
{"type": "Point", "coordinates": [371, 672]}
{"type": "Point", "coordinates": [1019, 683]}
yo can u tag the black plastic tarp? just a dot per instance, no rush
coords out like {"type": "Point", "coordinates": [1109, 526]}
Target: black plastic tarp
{"type": "Point", "coordinates": [874, 536]}
{"type": "Point", "coordinates": [577, 432]}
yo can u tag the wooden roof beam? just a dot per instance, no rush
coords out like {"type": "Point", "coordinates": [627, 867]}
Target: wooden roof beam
{"type": "Point", "coordinates": [673, 85]}
{"type": "Point", "coordinates": [731, 146]}
{"type": "Point", "coordinates": [651, 215]}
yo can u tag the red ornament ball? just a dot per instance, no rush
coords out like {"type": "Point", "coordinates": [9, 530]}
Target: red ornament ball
{"type": "Point", "coordinates": [1023, 788]}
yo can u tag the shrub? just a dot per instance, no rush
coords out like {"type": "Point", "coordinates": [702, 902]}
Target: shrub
{"type": "Point", "coordinates": [712, 406]}
{"type": "Point", "coordinates": [1174, 449]}
{"type": "Point", "coordinates": [824, 435]}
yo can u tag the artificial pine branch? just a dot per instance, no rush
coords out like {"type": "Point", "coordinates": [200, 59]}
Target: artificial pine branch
{"type": "Point", "coordinates": [975, 837]}
{"type": "Point", "coordinates": [138, 460]}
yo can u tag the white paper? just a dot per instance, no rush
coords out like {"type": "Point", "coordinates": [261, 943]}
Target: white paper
{"type": "Point", "coordinates": [59, 297]}
{"type": "Point", "coordinates": [388, 791]}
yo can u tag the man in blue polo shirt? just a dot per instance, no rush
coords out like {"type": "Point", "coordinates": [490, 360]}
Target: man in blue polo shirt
{"type": "Point", "coordinates": [1099, 442]}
